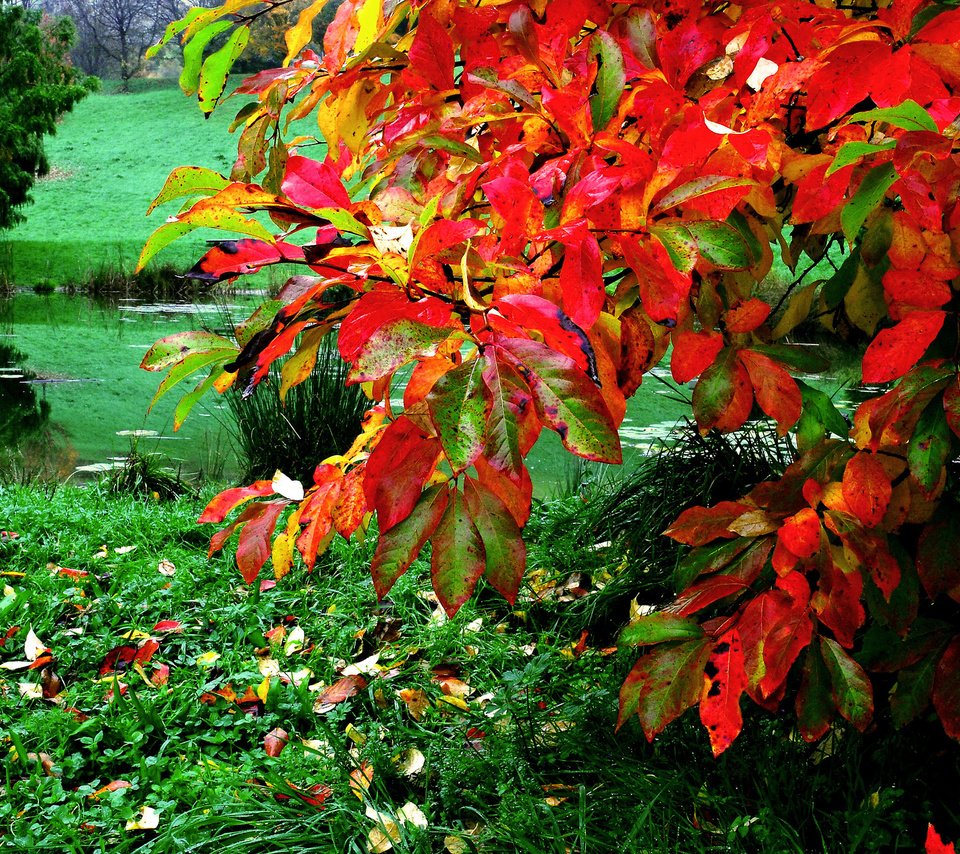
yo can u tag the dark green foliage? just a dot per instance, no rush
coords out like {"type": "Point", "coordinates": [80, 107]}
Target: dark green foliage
{"type": "Point", "coordinates": [37, 86]}
{"type": "Point", "coordinates": [320, 417]}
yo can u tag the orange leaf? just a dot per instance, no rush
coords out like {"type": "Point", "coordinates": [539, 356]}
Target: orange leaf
{"type": "Point", "coordinates": [866, 488]}
{"type": "Point", "coordinates": [724, 680]}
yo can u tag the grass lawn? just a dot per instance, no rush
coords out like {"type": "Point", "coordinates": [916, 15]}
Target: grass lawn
{"type": "Point", "coordinates": [109, 158]}
{"type": "Point", "coordinates": [153, 726]}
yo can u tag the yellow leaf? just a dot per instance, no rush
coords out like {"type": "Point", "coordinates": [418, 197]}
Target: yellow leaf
{"type": "Point", "coordinates": [301, 33]}
{"type": "Point", "coordinates": [410, 762]}
{"type": "Point", "coordinates": [410, 813]}
{"type": "Point", "coordinates": [456, 702]}
{"type": "Point", "coordinates": [370, 19]}
{"type": "Point", "coordinates": [798, 309]}
{"type": "Point", "coordinates": [134, 634]}
{"type": "Point", "coordinates": [355, 735]}
{"type": "Point", "coordinates": [208, 658]}
{"type": "Point", "coordinates": [865, 302]}
{"type": "Point", "coordinates": [149, 819]}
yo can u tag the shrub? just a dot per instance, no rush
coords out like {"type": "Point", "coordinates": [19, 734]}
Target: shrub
{"type": "Point", "coordinates": [554, 195]}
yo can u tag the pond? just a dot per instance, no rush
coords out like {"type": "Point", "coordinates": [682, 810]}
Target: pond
{"type": "Point", "coordinates": [72, 393]}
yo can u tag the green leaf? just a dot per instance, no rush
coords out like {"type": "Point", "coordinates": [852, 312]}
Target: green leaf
{"type": "Point", "coordinates": [193, 55]}
{"type": "Point", "coordinates": [721, 244]}
{"type": "Point", "coordinates": [679, 243]}
{"type": "Point", "coordinates": [853, 152]}
{"type": "Point", "coordinates": [818, 419]}
{"type": "Point", "coordinates": [851, 688]}
{"type": "Point", "coordinates": [435, 141]}
{"type": "Point", "coordinates": [664, 684]}
{"type": "Point", "coordinates": [392, 345]}
{"type": "Point", "coordinates": [216, 68]}
{"type": "Point", "coordinates": [189, 181]}
{"type": "Point", "coordinates": [705, 559]}
{"type": "Point", "coordinates": [343, 221]}
{"type": "Point", "coordinates": [175, 28]}
{"type": "Point", "coordinates": [190, 365]}
{"type": "Point", "coordinates": [814, 703]}
{"type": "Point", "coordinates": [910, 697]}
{"type": "Point", "coordinates": [567, 400]}
{"type": "Point", "coordinates": [161, 238]}
{"type": "Point", "coordinates": [459, 410]}
{"type": "Point", "coordinates": [839, 284]}
{"type": "Point", "coordinates": [869, 194]}
{"type": "Point", "coordinates": [930, 445]}
{"type": "Point", "coordinates": [457, 560]}
{"type": "Point", "coordinates": [179, 346]}
{"type": "Point", "coordinates": [611, 78]}
{"type": "Point", "coordinates": [399, 546]}
{"type": "Point", "coordinates": [800, 357]}
{"type": "Point", "coordinates": [189, 400]}
{"type": "Point", "coordinates": [658, 627]}
{"type": "Point", "coordinates": [909, 115]}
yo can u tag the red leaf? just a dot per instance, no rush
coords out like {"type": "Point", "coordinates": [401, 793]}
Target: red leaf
{"type": "Point", "coordinates": [581, 278]}
{"type": "Point", "coordinates": [458, 558]}
{"type": "Point", "coordinates": [837, 600]}
{"type": "Point", "coordinates": [896, 350]}
{"type": "Point", "coordinates": [776, 391]}
{"type": "Point", "coordinates": [397, 470]}
{"type": "Point", "coordinates": [518, 206]}
{"type": "Point", "coordinates": [693, 353]}
{"type": "Point", "coordinates": [232, 258]}
{"type": "Point", "coordinates": [724, 680]}
{"type": "Point", "coordinates": [384, 305]}
{"type": "Point", "coordinates": [787, 638]}
{"type": "Point", "coordinates": [274, 741]}
{"type": "Point", "coordinates": [700, 525]}
{"type": "Point", "coordinates": [314, 184]}
{"type": "Point", "coordinates": [146, 651]}
{"type": "Point", "coordinates": [559, 331]}
{"type": "Point", "coordinates": [221, 505]}
{"type": "Point", "coordinates": [707, 591]}
{"type": "Point", "coordinates": [342, 689]}
{"type": "Point", "coordinates": [723, 397]}
{"type": "Point", "coordinates": [566, 399]}
{"type": "Point", "coordinates": [946, 689]}
{"type": "Point", "coordinates": [168, 626]}
{"type": "Point", "coordinates": [747, 316]}
{"type": "Point", "coordinates": [866, 488]}
{"type": "Point", "coordinates": [664, 684]}
{"type": "Point", "coordinates": [117, 660]}
{"type": "Point", "coordinates": [934, 844]}
{"type": "Point", "coordinates": [440, 236]}
{"type": "Point", "coordinates": [351, 504]}
{"type": "Point", "coordinates": [800, 533]}
{"type": "Point", "coordinates": [662, 286]}
{"type": "Point", "coordinates": [432, 53]}
{"type": "Point", "coordinates": [253, 546]}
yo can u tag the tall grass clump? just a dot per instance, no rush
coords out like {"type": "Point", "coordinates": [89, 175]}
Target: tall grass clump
{"type": "Point", "coordinates": [319, 417]}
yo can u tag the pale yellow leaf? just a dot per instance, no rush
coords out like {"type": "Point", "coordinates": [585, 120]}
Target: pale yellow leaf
{"type": "Point", "coordinates": [33, 647]}
{"type": "Point", "coordinates": [208, 658]}
{"type": "Point", "coordinates": [149, 819]}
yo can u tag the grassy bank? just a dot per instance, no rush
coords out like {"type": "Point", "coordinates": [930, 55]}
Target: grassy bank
{"type": "Point", "coordinates": [109, 158]}
{"type": "Point", "coordinates": [496, 726]}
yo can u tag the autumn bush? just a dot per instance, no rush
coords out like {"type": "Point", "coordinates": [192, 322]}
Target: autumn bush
{"type": "Point", "coordinates": [545, 200]}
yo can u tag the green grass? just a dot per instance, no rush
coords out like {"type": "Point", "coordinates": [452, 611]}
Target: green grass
{"type": "Point", "coordinates": [109, 158]}
{"type": "Point", "coordinates": [529, 762]}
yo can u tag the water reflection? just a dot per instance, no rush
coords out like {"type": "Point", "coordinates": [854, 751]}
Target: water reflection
{"type": "Point", "coordinates": [31, 445]}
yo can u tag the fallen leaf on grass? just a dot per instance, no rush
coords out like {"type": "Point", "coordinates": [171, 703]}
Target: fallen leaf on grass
{"type": "Point", "coordinates": [33, 647]}
{"type": "Point", "coordinates": [387, 831]}
{"type": "Point", "coordinates": [360, 779]}
{"type": "Point", "coordinates": [113, 786]}
{"type": "Point", "coordinates": [168, 627]}
{"type": "Point", "coordinates": [410, 762]}
{"type": "Point", "coordinates": [367, 667]}
{"type": "Point", "coordinates": [456, 702]}
{"type": "Point", "coordinates": [66, 572]}
{"type": "Point", "coordinates": [339, 691]}
{"type": "Point", "coordinates": [416, 701]}
{"type": "Point", "coordinates": [276, 635]}
{"type": "Point", "coordinates": [149, 819]}
{"type": "Point", "coordinates": [208, 659]}
{"type": "Point", "coordinates": [295, 641]}
{"type": "Point", "coordinates": [166, 567]}
{"type": "Point", "coordinates": [124, 550]}
{"type": "Point", "coordinates": [275, 740]}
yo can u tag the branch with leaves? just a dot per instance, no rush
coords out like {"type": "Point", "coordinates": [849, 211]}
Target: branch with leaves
{"type": "Point", "coordinates": [546, 199]}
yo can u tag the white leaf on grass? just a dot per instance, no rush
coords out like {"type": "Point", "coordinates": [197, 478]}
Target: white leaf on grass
{"type": "Point", "coordinates": [149, 819]}
{"type": "Point", "coordinates": [295, 641]}
{"type": "Point", "coordinates": [33, 647]}
{"type": "Point", "coordinates": [166, 567]}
